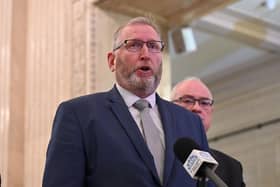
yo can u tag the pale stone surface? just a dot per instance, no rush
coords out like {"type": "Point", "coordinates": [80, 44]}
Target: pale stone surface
{"type": "Point", "coordinates": [54, 50]}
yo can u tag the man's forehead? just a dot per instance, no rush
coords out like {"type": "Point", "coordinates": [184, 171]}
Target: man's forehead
{"type": "Point", "coordinates": [195, 88]}
{"type": "Point", "coordinates": [139, 29]}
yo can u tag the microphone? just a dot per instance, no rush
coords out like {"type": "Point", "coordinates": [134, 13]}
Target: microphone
{"type": "Point", "coordinates": [198, 164]}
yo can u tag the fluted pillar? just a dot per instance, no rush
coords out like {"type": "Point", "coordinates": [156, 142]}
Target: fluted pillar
{"type": "Point", "coordinates": [12, 67]}
{"type": "Point", "coordinates": [50, 51]}
{"type": "Point", "coordinates": [5, 58]}
{"type": "Point", "coordinates": [48, 77]}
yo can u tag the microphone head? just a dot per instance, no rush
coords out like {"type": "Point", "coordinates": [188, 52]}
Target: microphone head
{"type": "Point", "coordinates": [183, 148]}
{"type": "Point", "coordinates": [195, 161]}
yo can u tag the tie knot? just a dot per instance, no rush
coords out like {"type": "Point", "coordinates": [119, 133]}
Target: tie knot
{"type": "Point", "coordinates": [141, 104]}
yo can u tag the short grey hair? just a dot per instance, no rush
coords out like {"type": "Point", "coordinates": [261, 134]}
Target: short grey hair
{"type": "Point", "coordinates": [174, 93]}
{"type": "Point", "coordinates": [137, 20]}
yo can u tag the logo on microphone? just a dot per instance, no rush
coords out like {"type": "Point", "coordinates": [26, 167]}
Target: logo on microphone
{"type": "Point", "coordinates": [191, 161]}
{"type": "Point", "coordinates": [195, 161]}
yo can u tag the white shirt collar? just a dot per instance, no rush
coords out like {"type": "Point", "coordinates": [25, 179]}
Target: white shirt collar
{"type": "Point", "coordinates": [130, 98]}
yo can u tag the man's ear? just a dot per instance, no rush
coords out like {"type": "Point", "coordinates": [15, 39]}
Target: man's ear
{"type": "Point", "coordinates": [111, 61]}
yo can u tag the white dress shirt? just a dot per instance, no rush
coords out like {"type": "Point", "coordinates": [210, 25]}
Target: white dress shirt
{"type": "Point", "coordinates": [130, 99]}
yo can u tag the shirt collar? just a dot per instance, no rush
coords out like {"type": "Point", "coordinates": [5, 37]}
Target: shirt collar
{"type": "Point", "coordinates": [130, 98]}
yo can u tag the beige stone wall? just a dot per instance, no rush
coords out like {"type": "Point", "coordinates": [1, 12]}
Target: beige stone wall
{"type": "Point", "coordinates": [43, 61]}
{"type": "Point", "coordinates": [243, 100]}
{"type": "Point", "coordinates": [50, 51]}
{"type": "Point", "coordinates": [49, 77]}
{"type": "Point", "coordinates": [5, 58]}
{"type": "Point", "coordinates": [54, 50]}
{"type": "Point", "coordinates": [12, 68]}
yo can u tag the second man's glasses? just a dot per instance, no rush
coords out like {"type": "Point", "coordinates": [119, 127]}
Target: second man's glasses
{"type": "Point", "coordinates": [190, 101]}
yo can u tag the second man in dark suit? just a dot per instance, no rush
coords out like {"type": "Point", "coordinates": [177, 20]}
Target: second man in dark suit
{"type": "Point", "coordinates": [194, 95]}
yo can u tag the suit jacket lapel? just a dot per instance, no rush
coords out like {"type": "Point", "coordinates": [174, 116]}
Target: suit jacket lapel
{"type": "Point", "coordinates": [121, 111]}
{"type": "Point", "coordinates": [167, 122]}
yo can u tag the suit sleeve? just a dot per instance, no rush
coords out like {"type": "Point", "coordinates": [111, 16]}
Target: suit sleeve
{"type": "Point", "coordinates": [65, 161]}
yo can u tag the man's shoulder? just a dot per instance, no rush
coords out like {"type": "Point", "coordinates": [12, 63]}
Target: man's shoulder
{"type": "Point", "coordinates": [97, 96]}
{"type": "Point", "coordinates": [183, 122]}
{"type": "Point", "coordinates": [219, 155]}
{"type": "Point", "coordinates": [86, 98]}
{"type": "Point", "coordinates": [174, 107]}
{"type": "Point", "coordinates": [86, 101]}
{"type": "Point", "coordinates": [229, 168]}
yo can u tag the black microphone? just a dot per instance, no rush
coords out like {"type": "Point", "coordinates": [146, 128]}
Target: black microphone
{"type": "Point", "coordinates": [199, 164]}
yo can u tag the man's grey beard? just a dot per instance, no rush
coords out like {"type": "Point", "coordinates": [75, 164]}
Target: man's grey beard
{"type": "Point", "coordinates": [145, 85]}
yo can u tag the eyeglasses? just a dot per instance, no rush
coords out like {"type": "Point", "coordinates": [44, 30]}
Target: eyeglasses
{"type": "Point", "coordinates": [135, 45]}
{"type": "Point", "coordinates": [190, 101]}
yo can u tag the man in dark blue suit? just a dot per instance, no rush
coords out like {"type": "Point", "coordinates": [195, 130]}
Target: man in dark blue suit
{"type": "Point", "coordinates": [194, 95]}
{"type": "Point", "coordinates": [97, 140]}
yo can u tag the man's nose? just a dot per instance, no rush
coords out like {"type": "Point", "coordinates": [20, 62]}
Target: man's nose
{"type": "Point", "coordinates": [144, 52]}
{"type": "Point", "coordinates": [196, 106]}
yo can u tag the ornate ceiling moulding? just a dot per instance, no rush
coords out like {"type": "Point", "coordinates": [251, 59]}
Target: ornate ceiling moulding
{"type": "Point", "coordinates": [169, 13]}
